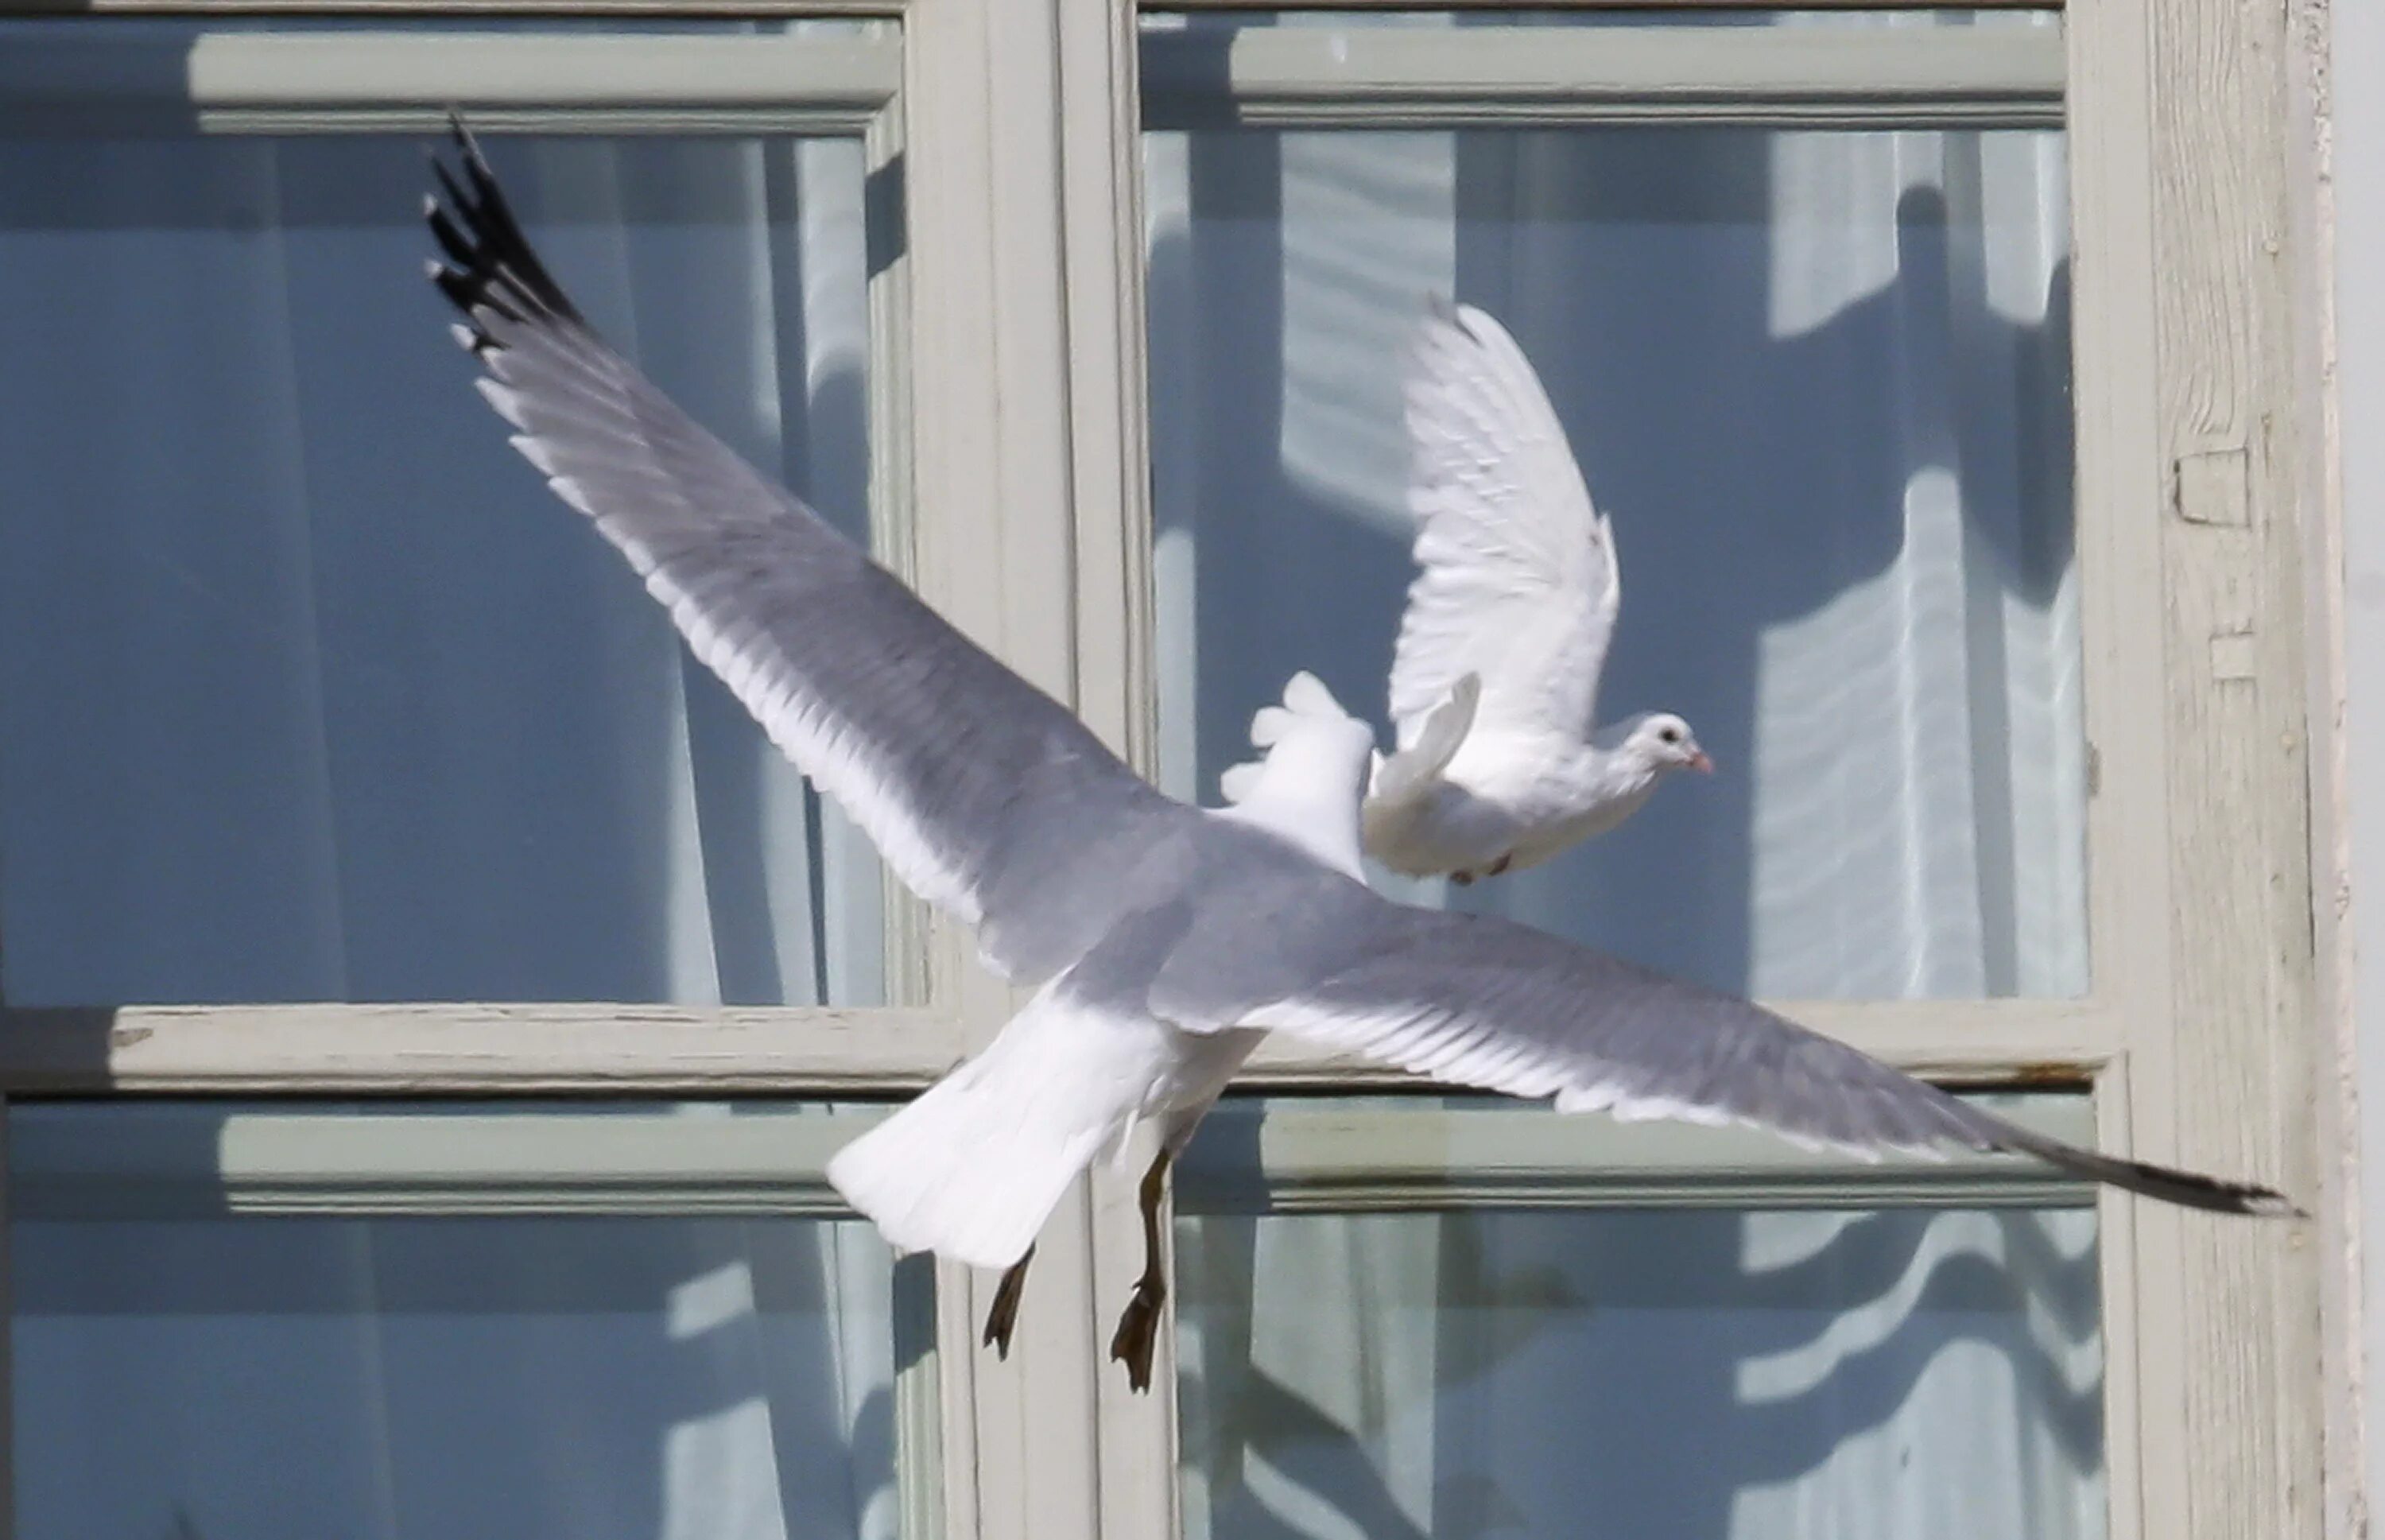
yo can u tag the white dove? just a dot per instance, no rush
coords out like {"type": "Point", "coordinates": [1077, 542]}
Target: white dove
{"type": "Point", "coordinates": [1495, 678]}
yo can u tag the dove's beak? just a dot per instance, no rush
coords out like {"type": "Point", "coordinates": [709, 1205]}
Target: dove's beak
{"type": "Point", "coordinates": [1700, 763]}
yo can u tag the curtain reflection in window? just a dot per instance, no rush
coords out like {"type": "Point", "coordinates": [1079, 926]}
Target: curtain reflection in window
{"type": "Point", "coordinates": [309, 688]}
{"type": "Point", "coordinates": [182, 1373]}
{"type": "Point", "coordinates": [1709, 1375]}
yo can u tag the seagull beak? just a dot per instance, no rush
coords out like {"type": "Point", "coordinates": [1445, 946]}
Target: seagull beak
{"type": "Point", "coordinates": [1700, 763]}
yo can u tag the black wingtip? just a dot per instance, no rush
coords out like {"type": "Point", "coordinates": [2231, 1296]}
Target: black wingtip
{"type": "Point", "coordinates": [2211, 1194]}
{"type": "Point", "coordinates": [2187, 1189]}
{"type": "Point", "coordinates": [489, 269]}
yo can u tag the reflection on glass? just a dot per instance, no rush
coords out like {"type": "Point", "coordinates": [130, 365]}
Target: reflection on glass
{"type": "Point", "coordinates": [1839, 1376]}
{"type": "Point", "coordinates": [309, 688]}
{"type": "Point", "coordinates": [420, 1379]}
{"type": "Point", "coordinates": [1820, 381]}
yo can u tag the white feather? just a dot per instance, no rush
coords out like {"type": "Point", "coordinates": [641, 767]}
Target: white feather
{"type": "Point", "coordinates": [507, 401]}
{"type": "Point", "coordinates": [1516, 575]}
{"type": "Point", "coordinates": [973, 1166]}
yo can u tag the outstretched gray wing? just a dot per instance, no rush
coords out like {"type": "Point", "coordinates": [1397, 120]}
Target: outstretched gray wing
{"type": "Point", "coordinates": [985, 795]}
{"type": "Point", "coordinates": [1479, 1001]}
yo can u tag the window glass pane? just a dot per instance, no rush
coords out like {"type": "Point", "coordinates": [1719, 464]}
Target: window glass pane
{"type": "Point", "coordinates": [549, 1378]}
{"type": "Point", "coordinates": [1675, 1372]}
{"type": "Point", "coordinates": [1818, 379]}
{"type": "Point", "coordinates": [1900, 1372]}
{"type": "Point", "coordinates": [309, 688]}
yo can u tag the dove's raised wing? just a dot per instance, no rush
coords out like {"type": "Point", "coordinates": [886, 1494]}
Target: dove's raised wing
{"type": "Point", "coordinates": [1517, 577]}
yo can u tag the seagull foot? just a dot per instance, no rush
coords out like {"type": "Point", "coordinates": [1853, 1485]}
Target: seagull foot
{"type": "Point", "coordinates": [1002, 1316]}
{"type": "Point", "coordinates": [1499, 867]}
{"type": "Point", "coordinates": [1138, 1331]}
{"type": "Point", "coordinates": [1463, 878]}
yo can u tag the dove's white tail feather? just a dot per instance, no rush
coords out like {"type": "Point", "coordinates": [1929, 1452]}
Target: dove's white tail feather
{"type": "Point", "coordinates": [973, 1166]}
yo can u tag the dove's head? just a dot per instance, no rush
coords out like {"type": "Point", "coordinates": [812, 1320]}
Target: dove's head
{"type": "Point", "coordinates": [1664, 743]}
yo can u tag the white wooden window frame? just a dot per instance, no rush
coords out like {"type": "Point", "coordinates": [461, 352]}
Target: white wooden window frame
{"type": "Point", "coordinates": [1011, 413]}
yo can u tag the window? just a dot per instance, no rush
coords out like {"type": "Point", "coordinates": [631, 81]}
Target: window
{"type": "Point", "coordinates": [390, 916]}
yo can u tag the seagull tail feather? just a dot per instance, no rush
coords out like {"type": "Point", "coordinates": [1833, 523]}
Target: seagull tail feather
{"type": "Point", "coordinates": [973, 1166]}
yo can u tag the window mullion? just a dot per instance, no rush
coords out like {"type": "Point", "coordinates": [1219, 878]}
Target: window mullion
{"type": "Point", "coordinates": [1098, 51]}
{"type": "Point", "coordinates": [1361, 76]}
{"type": "Point", "coordinates": [1334, 1157]}
{"type": "Point", "coordinates": [1970, 1041]}
{"type": "Point", "coordinates": [2201, 889]}
{"type": "Point", "coordinates": [429, 1049]}
{"type": "Point", "coordinates": [995, 550]}
{"type": "Point", "coordinates": [356, 83]}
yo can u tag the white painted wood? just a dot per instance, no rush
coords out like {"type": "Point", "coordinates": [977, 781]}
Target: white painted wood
{"type": "Point", "coordinates": [1970, 1042]}
{"type": "Point", "coordinates": [2312, 207]}
{"type": "Point", "coordinates": [1319, 76]}
{"type": "Point", "coordinates": [2347, 324]}
{"type": "Point", "coordinates": [893, 464]}
{"type": "Point", "coordinates": [414, 1050]}
{"type": "Point", "coordinates": [2121, 1319]}
{"type": "Point", "coordinates": [1329, 1160]}
{"type": "Point", "coordinates": [255, 83]}
{"type": "Point", "coordinates": [2221, 1077]}
{"type": "Point", "coordinates": [1626, 5]}
{"type": "Point", "coordinates": [1100, 174]}
{"type": "Point", "coordinates": [991, 395]}
{"type": "Point", "coordinates": [664, 9]}
{"type": "Point", "coordinates": [186, 1159]}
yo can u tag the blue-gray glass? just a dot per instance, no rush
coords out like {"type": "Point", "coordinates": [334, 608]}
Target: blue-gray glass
{"type": "Point", "coordinates": [309, 689]}
{"type": "Point", "coordinates": [423, 1379]}
{"type": "Point", "coordinates": [1901, 1374]}
{"type": "Point", "coordinates": [1819, 380]}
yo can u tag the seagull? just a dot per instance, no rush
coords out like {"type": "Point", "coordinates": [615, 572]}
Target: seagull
{"type": "Point", "coordinates": [1494, 680]}
{"type": "Point", "coordinates": [1161, 941]}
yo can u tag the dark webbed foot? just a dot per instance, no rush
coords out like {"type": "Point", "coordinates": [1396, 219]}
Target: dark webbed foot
{"type": "Point", "coordinates": [1137, 1328]}
{"type": "Point", "coordinates": [1002, 1315]}
{"type": "Point", "coordinates": [1501, 865]}
{"type": "Point", "coordinates": [1463, 878]}
{"type": "Point", "coordinates": [1138, 1331]}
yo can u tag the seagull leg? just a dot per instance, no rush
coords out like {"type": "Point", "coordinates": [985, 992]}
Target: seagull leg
{"type": "Point", "coordinates": [1002, 1314]}
{"type": "Point", "coordinates": [1137, 1328]}
{"type": "Point", "coordinates": [1463, 878]}
{"type": "Point", "coordinates": [1500, 865]}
